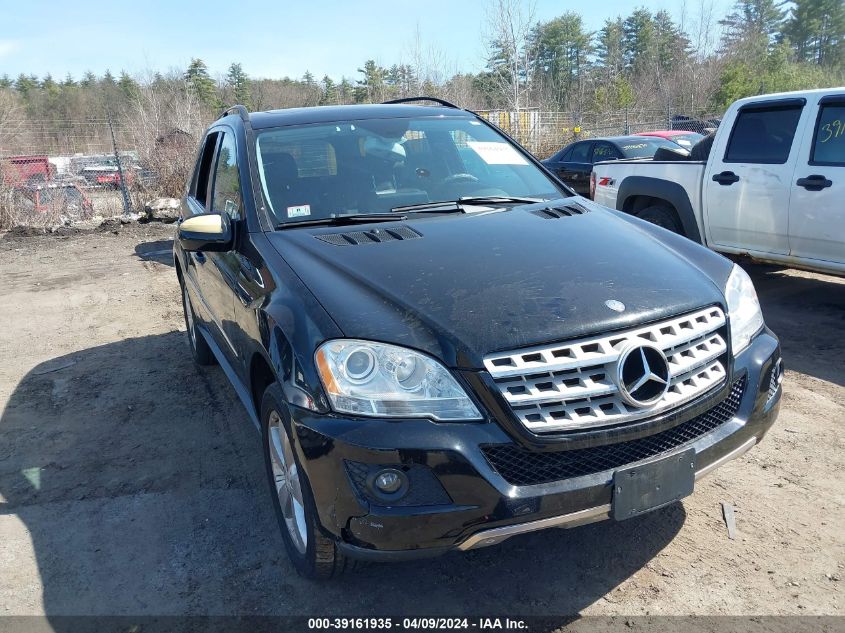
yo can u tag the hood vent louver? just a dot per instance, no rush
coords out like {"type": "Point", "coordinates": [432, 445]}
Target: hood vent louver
{"type": "Point", "coordinates": [563, 211]}
{"type": "Point", "coordinates": [376, 236]}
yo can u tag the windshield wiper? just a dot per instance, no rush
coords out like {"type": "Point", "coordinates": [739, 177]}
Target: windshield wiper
{"type": "Point", "coordinates": [497, 199]}
{"type": "Point", "coordinates": [352, 218]}
{"type": "Point", "coordinates": [449, 206]}
{"type": "Point", "coordinates": [445, 206]}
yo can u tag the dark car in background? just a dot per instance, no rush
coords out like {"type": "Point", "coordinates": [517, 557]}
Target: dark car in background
{"type": "Point", "coordinates": [442, 346]}
{"type": "Point", "coordinates": [574, 163]}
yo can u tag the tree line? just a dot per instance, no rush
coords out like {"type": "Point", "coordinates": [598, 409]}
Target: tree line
{"type": "Point", "coordinates": [645, 60]}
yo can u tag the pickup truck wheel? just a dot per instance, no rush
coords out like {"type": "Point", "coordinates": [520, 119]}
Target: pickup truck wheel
{"type": "Point", "coordinates": [199, 348]}
{"type": "Point", "coordinates": [313, 554]}
{"type": "Point", "coordinates": [662, 216]}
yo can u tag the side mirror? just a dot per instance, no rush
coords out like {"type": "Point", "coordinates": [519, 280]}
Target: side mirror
{"type": "Point", "coordinates": [206, 232]}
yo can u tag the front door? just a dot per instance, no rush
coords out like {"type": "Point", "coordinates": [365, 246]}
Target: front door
{"type": "Point", "coordinates": [817, 204]}
{"type": "Point", "coordinates": [749, 179]}
{"type": "Point", "coordinates": [219, 271]}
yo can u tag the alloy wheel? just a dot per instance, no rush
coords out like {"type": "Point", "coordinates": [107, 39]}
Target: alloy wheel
{"type": "Point", "coordinates": [288, 486]}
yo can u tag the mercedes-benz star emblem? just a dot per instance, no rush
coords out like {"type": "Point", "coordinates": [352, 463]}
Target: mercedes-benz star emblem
{"type": "Point", "coordinates": [616, 306]}
{"type": "Point", "coordinates": [642, 374]}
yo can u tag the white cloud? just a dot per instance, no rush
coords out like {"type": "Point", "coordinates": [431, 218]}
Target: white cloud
{"type": "Point", "coordinates": [7, 47]}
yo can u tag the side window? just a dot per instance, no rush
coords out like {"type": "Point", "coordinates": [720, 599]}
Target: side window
{"type": "Point", "coordinates": [202, 174]}
{"type": "Point", "coordinates": [763, 135]}
{"type": "Point", "coordinates": [829, 140]}
{"type": "Point", "coordinates": [604, 151]}
{"type": "Point", "coordinates": [227, 183]}
{"type": "Point", "coordinates": [581, 153]}
{"type": "Point", "coordinates": [565, 156]}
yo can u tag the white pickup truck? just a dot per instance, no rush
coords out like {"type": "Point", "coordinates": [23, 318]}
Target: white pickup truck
{"type": "Point", "coordinates": [772, 186]}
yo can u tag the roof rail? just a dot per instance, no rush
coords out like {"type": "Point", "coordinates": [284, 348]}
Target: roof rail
{"type": "Point", "coordinates": [442, 102]}
{"type": "Point", "coordinates": [236, 109]}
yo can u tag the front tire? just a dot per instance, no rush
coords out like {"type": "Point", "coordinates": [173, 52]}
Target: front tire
{"type": "Point", "coordinates": [662, 216]}
{"type": "Point", "coordinates": [312, 553]}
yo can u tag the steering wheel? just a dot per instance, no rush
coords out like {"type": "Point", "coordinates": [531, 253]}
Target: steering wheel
{"type": "Point", "coordinates": [456, 178]}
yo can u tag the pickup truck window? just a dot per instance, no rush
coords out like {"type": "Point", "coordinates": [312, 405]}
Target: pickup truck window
{"type": "Point", "coordinates": [829, 141]}
{"type": "Point", "coordinates": [325, 170]}
{"type": "Point", "coordinates": [763, 135]}
{"type": "Point", "coordinates": [227, 185]}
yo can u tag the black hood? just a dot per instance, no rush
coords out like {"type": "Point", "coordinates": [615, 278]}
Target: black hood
{"type": "Point", "coordinates": [474, 284]}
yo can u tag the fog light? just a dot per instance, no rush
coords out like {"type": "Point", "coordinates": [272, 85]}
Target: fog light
{"type": "Point", "coordinates": [389, 481]}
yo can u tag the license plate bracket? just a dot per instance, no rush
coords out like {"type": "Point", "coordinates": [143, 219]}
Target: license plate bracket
{"type": "Point", "coordinates": [644, 487]}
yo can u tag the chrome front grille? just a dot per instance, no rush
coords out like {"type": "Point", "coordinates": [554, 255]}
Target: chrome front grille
{"type": "Point", "coordinates": [572, 385]}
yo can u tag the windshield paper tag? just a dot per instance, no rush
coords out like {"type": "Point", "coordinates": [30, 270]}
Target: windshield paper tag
{"type": "Point", "coordinates": [299, 211]}
{"type": "Point", "coordinates": [494, 153]}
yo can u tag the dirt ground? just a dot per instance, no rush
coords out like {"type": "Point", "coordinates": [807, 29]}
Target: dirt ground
{"type": "Point", "coordinates": [131, 481]}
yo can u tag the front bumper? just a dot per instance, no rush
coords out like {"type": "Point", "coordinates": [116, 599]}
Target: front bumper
{"type": "Point", "coordinates": [470, 503]}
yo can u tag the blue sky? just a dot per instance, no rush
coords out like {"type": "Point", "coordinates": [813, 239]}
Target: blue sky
{"type": "Point", "coordinates": [275, 39]}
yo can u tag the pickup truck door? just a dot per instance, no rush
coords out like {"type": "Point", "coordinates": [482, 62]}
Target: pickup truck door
{"type": "Point", "coordinates": [748, 180]}
{"type": "Point", "coordinates": [817, 204]}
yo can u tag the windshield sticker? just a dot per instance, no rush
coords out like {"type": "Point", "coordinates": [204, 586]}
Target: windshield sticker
{"type": "Point", "coordinates": [299, 211]}
{"type": "Point", "coordinates": [494, 153]}
{"type": "Point", "coordinates": [635, 146]}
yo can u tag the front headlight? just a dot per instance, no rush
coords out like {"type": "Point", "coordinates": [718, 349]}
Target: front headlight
{"type": "Point", "coordinates": [743, 309]}
{"type": "Point", "coordinates": [381, 380]}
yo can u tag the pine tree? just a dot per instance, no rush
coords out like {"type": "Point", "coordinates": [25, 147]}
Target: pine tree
{"type": "Point", "coordinates": [639, 41]}
{"type": "Point", "coordinates": [816, 31]}
{"type": "Point", "coordinates": [345, 91]}
{"type": "Point", "coordinates": [672, 44]}
{"type": "Point", "coordinates": [752, 28]}
{"type": "Point", "coordinates": [128, 86]}
{"type": "Point", "coordinates": [25, 85]}
{"type": "Point", "coordinates": [6, 81]}
{"type": "Point", "coordinates": [199, 82]}
{"type": "Point", "coordinates": [371, 87]}
{"type": "Point", "coordinates": [88, 79]}
{"type": "Point", "coordinates": [239, 82]}
{"type": "Point", "coordinates": [329, 92]}
{"type": "Point", "coordinates": [69, 81]}
{"type": "Point", "coordinates": [560, 52]}
{"type": "Point", "coordinates": [609, 50]}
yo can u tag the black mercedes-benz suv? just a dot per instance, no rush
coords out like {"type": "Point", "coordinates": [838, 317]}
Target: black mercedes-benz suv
{"type": "Point", "coordinates": [444, 347]}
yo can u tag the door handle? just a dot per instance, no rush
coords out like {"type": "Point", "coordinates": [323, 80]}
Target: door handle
{"type": "Point", "coordinates": [815, 182]}
{"type": "Point", "coordinates": [726, 178]}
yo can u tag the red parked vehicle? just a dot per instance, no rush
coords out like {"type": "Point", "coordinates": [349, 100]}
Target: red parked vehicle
{"type": "Point", "coordinates": [681, 137]}
{"type": "Point", "coordinates": [20, 171]}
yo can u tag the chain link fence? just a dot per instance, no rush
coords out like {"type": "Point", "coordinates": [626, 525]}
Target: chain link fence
{"type": "Point", "coordinates": [55, 172]}
{"type": "Point", "coordinates": [62, 171]}
{"type": "Point", "coordinates": [543, 133]}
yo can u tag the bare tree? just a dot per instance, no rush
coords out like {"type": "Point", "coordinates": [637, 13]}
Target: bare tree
{"type": "Point", "coordinates": [509, 25]}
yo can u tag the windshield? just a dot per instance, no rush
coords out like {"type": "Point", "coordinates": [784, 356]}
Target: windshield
{"type": "Point", "coordinates": [328, 170]}
{"type": "Point", "coordinates": [644, 148]}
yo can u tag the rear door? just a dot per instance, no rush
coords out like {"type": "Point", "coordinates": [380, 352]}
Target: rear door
{"type": "Point", "coordinates": [748, 181]}
{"type": "Point", "coordinates": [576, 170]}
{"type": "Point", "coordinates": [817, 204]}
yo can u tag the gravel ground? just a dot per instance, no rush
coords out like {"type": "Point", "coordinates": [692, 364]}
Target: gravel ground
{"type": "Point", "coordinates": [131, 481]}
